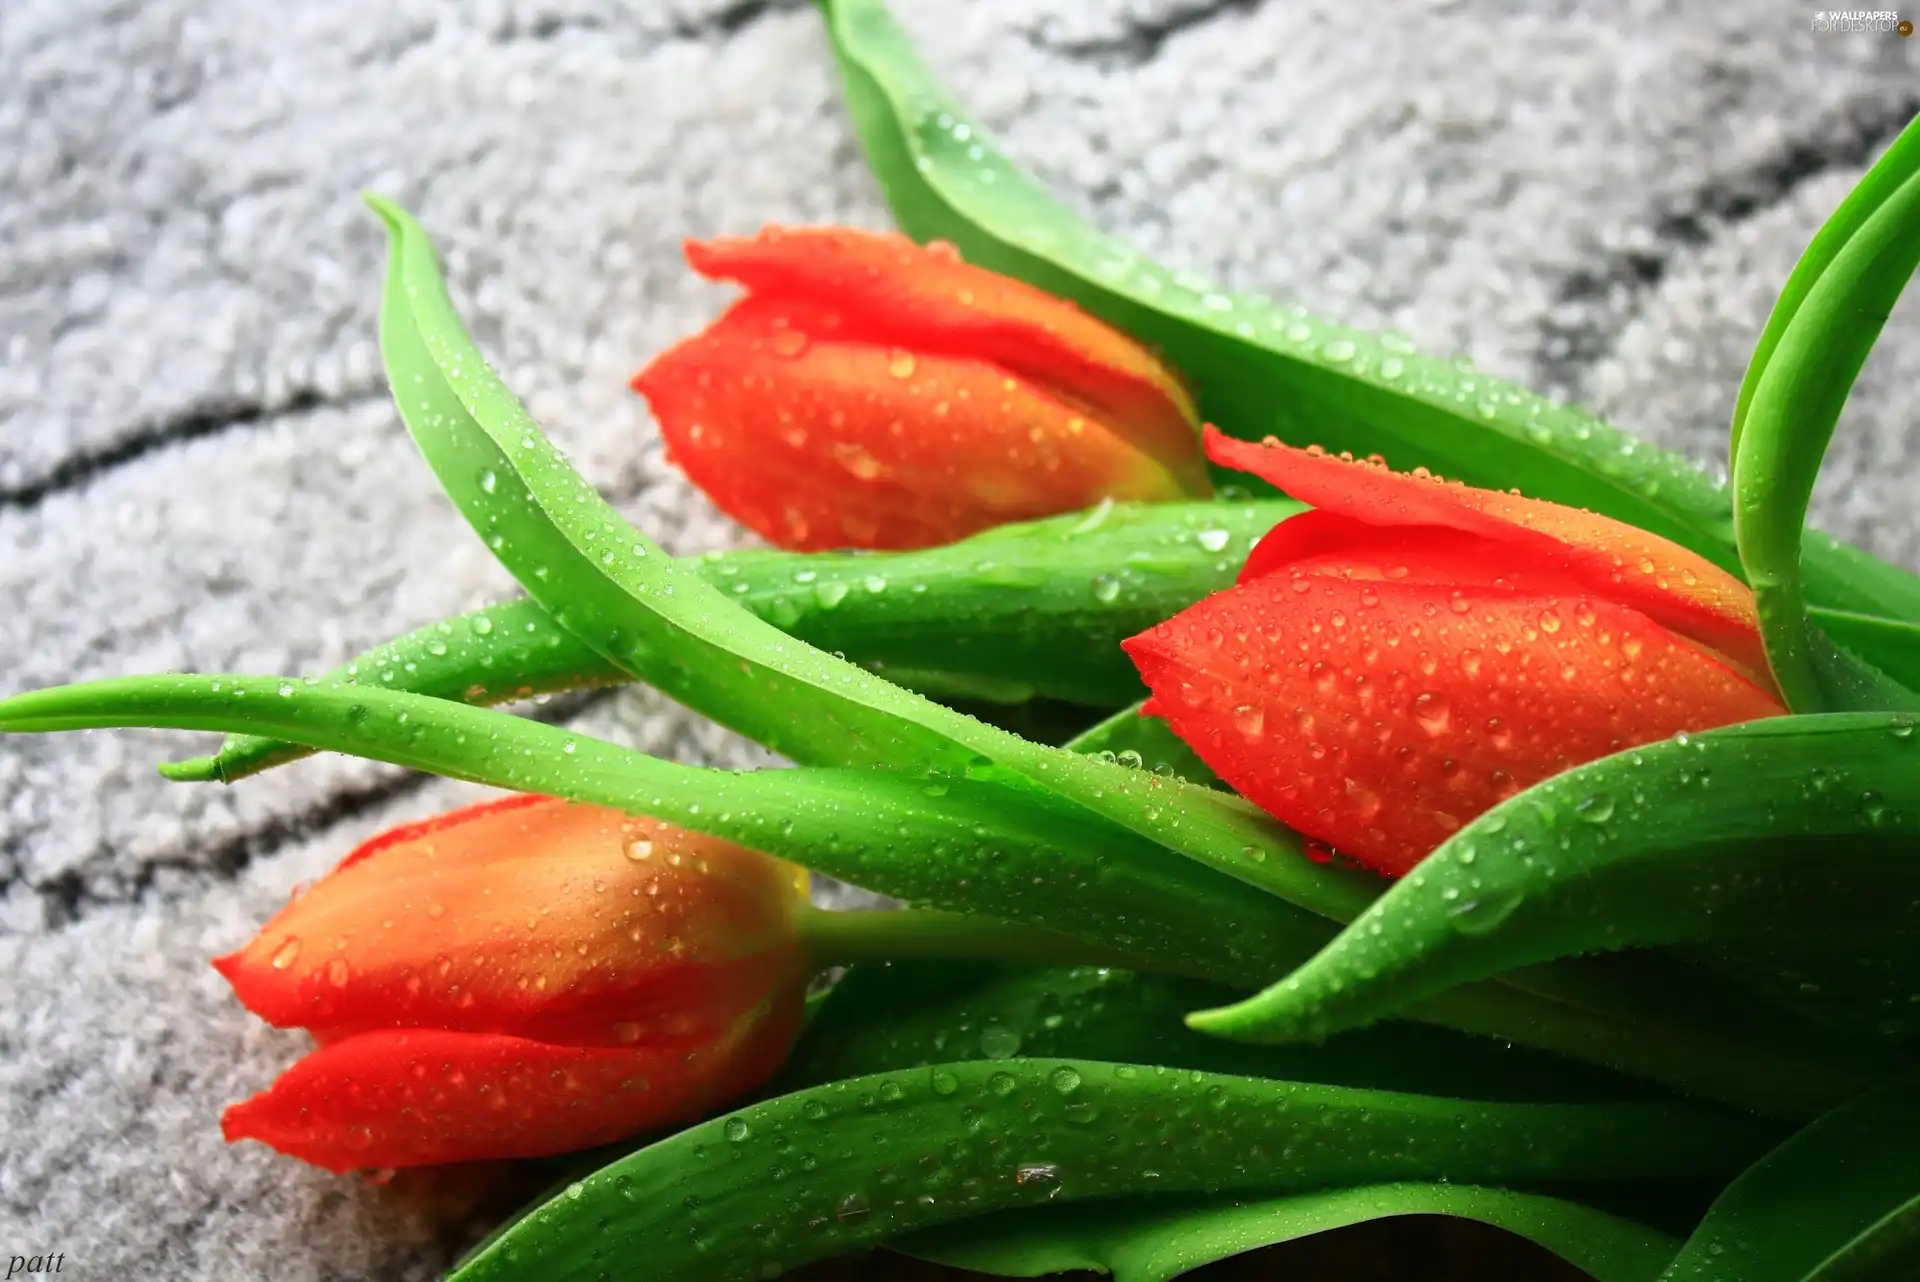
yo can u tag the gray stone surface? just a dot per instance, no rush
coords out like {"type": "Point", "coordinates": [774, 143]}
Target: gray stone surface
{"type": "Point", "coordinates": [199, 469]}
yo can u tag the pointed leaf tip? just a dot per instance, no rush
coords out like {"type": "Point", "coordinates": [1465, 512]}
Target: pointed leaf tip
{"type": "Point", "coordinates": [397, 220]}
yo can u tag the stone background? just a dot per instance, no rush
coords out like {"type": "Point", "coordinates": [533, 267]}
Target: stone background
{"type": "Point", "coordinates": [199, 468]}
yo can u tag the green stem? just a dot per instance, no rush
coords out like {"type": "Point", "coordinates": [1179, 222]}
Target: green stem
{"type": "Point", "coordinates": [842, 938]}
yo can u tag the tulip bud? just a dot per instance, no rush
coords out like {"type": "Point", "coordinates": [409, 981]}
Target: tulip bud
{"type": "Point", "coordinates": [871, 392]}
{"type": "Point", "coordinates": [522, 977]}
{"type": "Point", "coordinates": [1413, 652]}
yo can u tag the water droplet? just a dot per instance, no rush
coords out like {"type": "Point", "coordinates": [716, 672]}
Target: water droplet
{"type": "Point", "coordinates": [1339, 350]}
{"type": "Point", "coordinates": [737, 1129]}
{"type": "Point", "coordinates": [853, 1208]}
{"type": "Point", "coordinates": [1213, 540]}
{"type": "Point", "coordinates": [1597, 809]}
{"type": "Point", "coordinates": [830, 593]}
{"type": "Point", "coordinates": [1484, 914]}
{"type": "Point", "coordinates": [858, 461]}
{"type": "Point", "coordinates": [283, 956]}
{"type": "Point", "coordinates": [1065, 1080]}
{"type": "Point", "coordinates": [286, 689]}
{"type": "Point", "coordinates": [874, 583]}
{"type": "Point", "coordinates": [482, 625]}
{"type": "Point", "coordinates": [640, 850]}
{"type": "Point", "coordinates": [787, 342]}
{"type": "Point", "coordinates": [1901, 727]}
{"type": "Point", "coordinates": [1036, 1173]}
{"type": "Point", "coordinates": [489, 482]}
{"type": "Point", "coordinates": [998, 1041]}
{"type": "Point", "coordinates": [1106, 589]}
{"type": "Point", "coordinates": [1433, 712]}
{"type": "Point", "coordinates": [337, 973]}
{"type": "Point", "coordinates": [1250, 719]}
{"type": "Point", "coordinates": [901, 364]}
{"type": "Point", "coordinates": [944, 1082]}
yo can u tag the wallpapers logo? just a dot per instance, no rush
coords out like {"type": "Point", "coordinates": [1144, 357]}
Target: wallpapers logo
{"type": "Point", "coordinates": [1875, 20]}
{"type": "Point", "coordinates": [21, 1266]}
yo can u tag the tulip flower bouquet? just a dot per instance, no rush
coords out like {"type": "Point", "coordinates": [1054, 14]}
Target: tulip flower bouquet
{"type": "Point", "coordinates": [1287, 836]}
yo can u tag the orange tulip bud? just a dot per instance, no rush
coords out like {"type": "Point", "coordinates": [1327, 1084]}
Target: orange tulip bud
{"type": "Point", "coordinates": [521, 977]}
{"type": "Point", "coordinates": [1413, 652]}
{"type": "Point", "coordinates": [871, 392]}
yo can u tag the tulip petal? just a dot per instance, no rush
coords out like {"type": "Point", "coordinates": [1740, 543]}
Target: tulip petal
{"type": "Point", "coordinates": [924, 298]}
{"type": "Point", "coordinates": [1379, 715]}
{"type": "Point", "coordinates": [528, 915]}
{"type": "Point", "coordinates": [930, 448]}
{"type": "Point", "coordinates": [417, 1097]}
{"type": "Point", "coordinates": [1680, 590]}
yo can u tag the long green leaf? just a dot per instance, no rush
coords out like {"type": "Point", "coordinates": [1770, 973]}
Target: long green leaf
{"type": "Point", "coordinates": [1264, 369]}
{"type": "Point", "coordinates": [1898, 163]}
{"type": "Point", "coordinates": [1042, 605]}
{"type": "Point", "coordinates": [1157, 1240]}
{"type": "Point", "coordinates": [842, 1167]}
{"type": "Point", "coordinates": [1792, 400]}
{"type": "Point", "coordinates": [957, 844]}
{"type": "Point", "coordinates": [1796, 828]}
{"type": "Point", "coordinates": [1812, 1205]}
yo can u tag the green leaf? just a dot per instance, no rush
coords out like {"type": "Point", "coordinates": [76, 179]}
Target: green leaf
{"type": "Point", "coordinates": [1043, 604]}
{"type": "Point", "coordinates": [1831, 1203]}
{"type": "Point", "coordinates": [842, 1167]}
{"type": "Point", "coordinates": [1898, 163]}
{"type": "Point", "coordinates": [602, 580]}
{"type": "Point", "coordinates": [1886, 1251]}
{"type": "Point", "coordinates": [956, 844]}
{"type": "Point", "coordinates": [1141, 1240]}
{"type": "Point", "coordinates": [1264, 369]}
{"type": "Point", "coordinates": [1797, 385]}
{"type": "Point", "coordinates": [1888, 644]}
{"type": "Point", "coordinates": [1795, 828]}
{"type": "Point", "coordinates": [900, 1015]}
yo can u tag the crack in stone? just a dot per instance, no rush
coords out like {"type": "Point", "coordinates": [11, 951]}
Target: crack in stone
{"type": "Point", "coordinates": [1143, 39]}
{"type": "Point", "coordinates": [210, 418]}
{"type": "Point", "coordinates": [1596, 304]}
{"type": "Point", "coordinates": [728, 20]}
{"type": "Point", "coordinates": [70, 894]}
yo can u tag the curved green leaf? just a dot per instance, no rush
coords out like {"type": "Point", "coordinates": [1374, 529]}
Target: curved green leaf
{"type": "Point", "coordinates": [842, 1167]}
{"type": "Point", "coordinates": [1264, 369]}
{"type": "Point", "coordinates": [956, 844]}
{"type": "Point", "coordinates": [1726, 836]}
{"type": "Point", "coordinates": [1888, 1250]}
{"type": "Point", "coordinates": [1816, 1204]}
{"type": "Point", "coordinates": [1140, 1240]}
{"type": "Point", "coordinates": [1796, 388]}
{"type": "Point", "coordinates": [1899, 162]}
{"type": "Point", "coordinates": [1043, 603]}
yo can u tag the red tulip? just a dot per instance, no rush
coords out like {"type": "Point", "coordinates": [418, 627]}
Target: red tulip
{"type": "Point", "coordinates": [1412, 652]}
{"type": "Point", "coordinates": [870, 392]}
{"type": "Point", "coordinates": [522, 977]}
